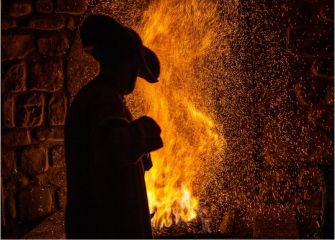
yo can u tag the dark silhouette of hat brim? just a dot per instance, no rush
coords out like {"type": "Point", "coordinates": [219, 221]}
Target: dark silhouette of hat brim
{"type": "Point", "coordinates": [149, 62]}
{"type": "Point", "coordinates": [149, 66]}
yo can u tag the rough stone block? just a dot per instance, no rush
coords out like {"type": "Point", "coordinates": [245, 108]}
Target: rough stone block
{"type": "Point", "coordinates": [227, 223]}
{"type": "Point", "coordinates": [323, 68]}
{"type": "Point", "coordinates": [7, 24]}
{"type": "Point", "coordinates": [57, 176]}
{"type": "Point", "coordinates": [327, 12]}
{"type": "Point", "coordinates": [72, 7]}
{"type": "Point", "coordinates": [310, 177]}
{"type": "Point", "coordinates": [321, 148]}
{"type": "Point", "coordinates": [275, 222]}
{"type": "Point", "coordinates": [304, 13]}
{"type": "Point", "coordinates": [311, 197]}
{"type": "Point", "coordinates": [283, 141]}
{"type": "Point", "coordinates": [47, 75]}
{"type": "Point", "coordinates": [41, 134]}
{"type": "Point", "coordinates": [41, 179]}
{"type": "Point", "coordinates": [303, 95]}
{"type": "Point", "coordinates": [54, 45]}
{"type": "Point", "coordinates": [9, 186]}
{"type": "Point", "coordinates": [269, 24]}
{"type": "Point", "coordinates": [326, 121]}
{"type": "Point", "coordinates": [44, 6]}
{"type": "Point", "coordinates": [16, 46]}
{"type": "Point", "coordinates": [318, 85]}
{"type": "Point", "coordinates": [322, 116]}
{"type": "Point", "coordinates": [50, 228]}
{"type": "Point", "coordinates": [15, 77]}
{"type": "Point", "coordinates": [29, 110]}
{"type": "Point", "coordinates": [35, 203]}
{"type": "Point", "coordinates": [311, 90]}
{"type": "Point", "coordinates": [57, 109]}
{"type": "Point", "coordinates": [310, 221]}
{"type": "Point", "coordinates": [8, 103]}
{"type": "Point", "coordinates": [8, 162]}
{"type": "Point", "coordinates": [242, 223]}
{"type": "Point", "coordinates": [311, 40]}
{"type": "Point", "coordinates": [48, 23]}
{"type": "Point", "coordinates": [20, 8]}
{"type": "Point", "coordinates": [11, 206]}
{"type": "Point", "coordinates": [329, 96]}
{"type": "Point", "coordinates": [57, 156]}
{"type": "Point", "coordinates": [15, 137]}
{"type": "Point", "coordinates": [73, 23]}
{"type": "Point", "coordinates": [23, 181]}
{"type": "Point", "coordinates": [34, 160]}
{"type": "Point", "coordinates": [276, 187]}
{"type": "Point", "coordinates": [61, 198]}
{"type": "Point", "coordinates": [81, 68]}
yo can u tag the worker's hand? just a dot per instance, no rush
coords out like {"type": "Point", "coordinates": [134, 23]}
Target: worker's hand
{"type": "Point", "coordinates": [149, 134]}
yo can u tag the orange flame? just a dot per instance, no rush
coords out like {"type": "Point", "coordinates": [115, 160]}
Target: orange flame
{"type": "Point", "coordinates": [183, 34]}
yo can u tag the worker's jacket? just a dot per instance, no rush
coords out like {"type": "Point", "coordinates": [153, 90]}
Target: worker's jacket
{"type": "Point", "coordinates": [105, 168]}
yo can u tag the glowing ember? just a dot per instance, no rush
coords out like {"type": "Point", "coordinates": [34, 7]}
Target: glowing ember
{"type": "Point", "coordinates": [183, 34]}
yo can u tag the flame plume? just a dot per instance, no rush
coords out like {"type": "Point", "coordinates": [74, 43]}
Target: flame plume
{"type": "Point", "coordinates": [184, 34]}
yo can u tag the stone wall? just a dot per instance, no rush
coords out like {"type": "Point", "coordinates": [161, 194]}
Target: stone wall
{"type": "Point", "coordinates": [292, 67]}
{"type": "Point", "coordinates": [310, 40]}
{"type": "Point", "coordinates": [289, 64]}
{"type": "Point", "coordinates": [35, 44]}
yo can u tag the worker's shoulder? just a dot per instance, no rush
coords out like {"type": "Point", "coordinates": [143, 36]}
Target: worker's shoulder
{"type": "Point", "coordinates": [106, 94]}
{"type": "Point", "coordinates": [96, 91]}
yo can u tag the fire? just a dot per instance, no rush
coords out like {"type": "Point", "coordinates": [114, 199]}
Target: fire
{"type": "Point", "coordinates": [184, 36]}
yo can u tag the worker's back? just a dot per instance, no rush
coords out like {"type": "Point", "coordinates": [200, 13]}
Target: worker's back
{"type": "Point", "coordinates": [106, 197]}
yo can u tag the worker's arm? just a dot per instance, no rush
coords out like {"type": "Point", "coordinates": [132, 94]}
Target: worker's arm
{"type": "Point", "coordinates": [118, 145]}
{"type": "Point", "coordinates": [117, 140]}
{"type": "Point", "coordinates": [147, 162]}
{"type": "Point", "coordinates": [125, 142]}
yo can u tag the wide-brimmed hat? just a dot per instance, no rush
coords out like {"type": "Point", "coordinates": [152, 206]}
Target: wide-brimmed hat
{"type": "Point", "coordinates": [104, 31]}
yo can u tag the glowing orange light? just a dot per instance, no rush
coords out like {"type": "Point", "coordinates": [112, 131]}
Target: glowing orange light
{"type": "Point", "coordinates": [182, 33]}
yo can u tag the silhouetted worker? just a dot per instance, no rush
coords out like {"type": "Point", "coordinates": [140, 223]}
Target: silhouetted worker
{"type": "Point", "coordinates": [106, 150]}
